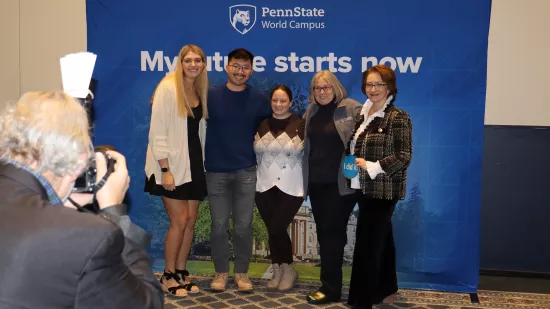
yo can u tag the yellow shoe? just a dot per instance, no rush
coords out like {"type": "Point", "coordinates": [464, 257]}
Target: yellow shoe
{"type": "Point", "coordinates": [318, 298]}
{"type": "Point", "coordinates": [219, 282]}
{"type": "Point", "coordinates": [243, 283]}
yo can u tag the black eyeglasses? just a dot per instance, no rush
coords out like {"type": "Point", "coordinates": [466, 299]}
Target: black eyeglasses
{"type": "Point", "coordinates": [238, 67]}
{"type": "Point", "coordinates": [375, 86]}
{"type": "Point", "coordinates": [324, 88]}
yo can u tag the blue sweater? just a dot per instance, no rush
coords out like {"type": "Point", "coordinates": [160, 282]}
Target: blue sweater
{"type": "Point", "coordinates": [233, 117]}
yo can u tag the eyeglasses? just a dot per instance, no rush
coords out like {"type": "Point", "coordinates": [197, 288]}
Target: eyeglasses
{"type": "Point", "coordinates": [237, 67]}
{"type": "Point", "coordinates": [324, 88]}
{"type": "Point", "coordinates": [375, 86]}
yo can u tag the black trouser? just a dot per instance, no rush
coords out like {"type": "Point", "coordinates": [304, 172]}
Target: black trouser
{"type": "Point", "coordinates": [331, 212]}
{"type": "Point", "coordinates": [373, 275]}
{"type": "Point", "coordinates": [277, 210]}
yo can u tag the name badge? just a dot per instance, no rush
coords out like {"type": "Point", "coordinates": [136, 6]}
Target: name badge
{"type": "Point", "coordinates": [349, 168]}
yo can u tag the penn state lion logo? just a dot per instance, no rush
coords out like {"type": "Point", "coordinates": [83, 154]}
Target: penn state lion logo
{"type": "Point", "coordinates": [242, 17]}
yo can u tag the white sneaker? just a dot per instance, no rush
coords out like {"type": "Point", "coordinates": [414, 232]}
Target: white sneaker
{"type": "Point", "coordinates": [290, 275]}
{"type": "Point", "coordinates": [273, 284]}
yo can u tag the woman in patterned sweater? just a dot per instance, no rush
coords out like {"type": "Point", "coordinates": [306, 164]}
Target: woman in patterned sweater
{"type": "Point", "coordinates": [382, 143]}
{"type": "Point", "coordinates": [279, 146]}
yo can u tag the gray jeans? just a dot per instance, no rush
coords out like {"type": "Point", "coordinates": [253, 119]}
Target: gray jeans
{"type": "Point", "coordinates": [231, 193]}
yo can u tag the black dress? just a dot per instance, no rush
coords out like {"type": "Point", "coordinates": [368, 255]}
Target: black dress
{"type": "Point", "coordinates": [196, 189]}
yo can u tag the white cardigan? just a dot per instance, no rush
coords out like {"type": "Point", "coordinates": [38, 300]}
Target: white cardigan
{"type": "Point", "coordinates": [168, 136]}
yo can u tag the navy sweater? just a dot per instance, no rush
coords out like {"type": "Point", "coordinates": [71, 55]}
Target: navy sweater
{"type": "Point", "coordinates": [233, 117]}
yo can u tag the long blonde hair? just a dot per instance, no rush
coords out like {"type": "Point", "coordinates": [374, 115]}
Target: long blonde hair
{"type": "Point", "coordinates": [201, 83]}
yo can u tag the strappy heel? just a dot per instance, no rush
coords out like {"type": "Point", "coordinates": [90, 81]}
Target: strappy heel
{"type": "Point", "coordinates": [188, 286]}
{"type": "Point", "coordinates": [172, 290]}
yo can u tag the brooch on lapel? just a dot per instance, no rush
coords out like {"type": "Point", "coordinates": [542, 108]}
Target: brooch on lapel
{"type": "Point", "coordinates": [380, 130]}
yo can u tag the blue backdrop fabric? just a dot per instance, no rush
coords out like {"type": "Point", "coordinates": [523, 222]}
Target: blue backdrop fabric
{"type": "Point", "coordinates": [437, 48]}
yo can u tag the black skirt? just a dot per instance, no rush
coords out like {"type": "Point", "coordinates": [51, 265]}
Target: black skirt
{"type": "Point", "coordinates": [191, 191]}
{"type": "Point", "coordinates": [196, 189]}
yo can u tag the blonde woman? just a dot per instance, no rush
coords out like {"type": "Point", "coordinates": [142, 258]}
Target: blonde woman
{"type": "Point", "coordinates": [174, 166]}
{"type": "Point", "coordinates": [330, 120]}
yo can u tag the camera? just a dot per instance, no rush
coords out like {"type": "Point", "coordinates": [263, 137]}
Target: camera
{"type": "Point", "coordinates": [86, 182]}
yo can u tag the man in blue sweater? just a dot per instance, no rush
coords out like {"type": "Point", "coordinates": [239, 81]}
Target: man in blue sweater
{"type": "Point", "coordinates": [235, 111]}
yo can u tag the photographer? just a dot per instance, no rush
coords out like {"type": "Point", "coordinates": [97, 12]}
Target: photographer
{"type": "Point", "coordinates": [51, 255]}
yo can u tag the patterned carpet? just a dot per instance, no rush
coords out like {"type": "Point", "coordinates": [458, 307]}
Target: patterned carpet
{"type": "Point", "coordinates": [295, 299]}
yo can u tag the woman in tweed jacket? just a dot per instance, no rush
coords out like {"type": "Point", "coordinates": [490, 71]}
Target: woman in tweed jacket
{"type": "Point", "coordinates": [382, 143]}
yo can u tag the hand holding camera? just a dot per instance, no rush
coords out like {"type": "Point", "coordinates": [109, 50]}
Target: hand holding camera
{"type": "Point", "coordinates": [118, 182]}
{"type": "Point", "coordinates": [114, 189]}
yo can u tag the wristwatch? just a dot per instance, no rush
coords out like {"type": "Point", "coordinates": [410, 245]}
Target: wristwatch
{"type": "Point", "coordinates": [164, 169]}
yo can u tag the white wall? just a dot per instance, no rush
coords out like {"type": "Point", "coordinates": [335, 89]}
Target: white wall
{"type": "Point", "coordinates": [34, 35]}
{"type": "Point", "coordinates": [518, 78]}
{"type": "Point", "coordinates": [9, 52]}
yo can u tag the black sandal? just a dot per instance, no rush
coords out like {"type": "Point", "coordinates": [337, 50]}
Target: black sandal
{"type": "Point", "coordinates": [188, 286]}
{"type": "Point", "coordinates": [173, 290]}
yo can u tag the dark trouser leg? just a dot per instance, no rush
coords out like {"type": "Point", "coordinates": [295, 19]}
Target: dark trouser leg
{"type": "Point", "coordinates": [278, 210]}
{"type": "Point", "coordinates": [220, 197]}
{"type": "Point", "coordinates": [331, 212]}
{"type": "Point", "coordinates": [244, 188]}
{"type": "Point", "coordinates": [373, 276]}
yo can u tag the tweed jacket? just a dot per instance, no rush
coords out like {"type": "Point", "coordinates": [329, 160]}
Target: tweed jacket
{"type": "Point", "coordinates": [389, 141]}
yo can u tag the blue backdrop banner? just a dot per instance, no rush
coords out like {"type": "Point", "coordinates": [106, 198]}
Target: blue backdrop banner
{"type": "Point", "coordinates": [437, 48]}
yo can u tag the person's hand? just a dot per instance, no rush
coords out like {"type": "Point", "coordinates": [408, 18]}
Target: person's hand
{"type": "Point", "coordinates": [360, 162]}
{"type": "Point", "coordinates": [168, 181]}
{"type": "Point", "coordinates": [114, 190]}
{"type": "Point", "coordinates": [82, 199]}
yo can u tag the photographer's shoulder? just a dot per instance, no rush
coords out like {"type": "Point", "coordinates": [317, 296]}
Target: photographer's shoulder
{"type": "Point", "coordinates": [84, 220]}
{"type": "Point", "coordinates": [76, 233]}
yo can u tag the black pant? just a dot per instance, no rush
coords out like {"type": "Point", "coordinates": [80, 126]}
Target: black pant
{"type": "Point", "coordinates": [373, 275]}
{"type": "Point", "coordinates": [277, 210]}
{"type": "Point", "coordinates": [331, 212]}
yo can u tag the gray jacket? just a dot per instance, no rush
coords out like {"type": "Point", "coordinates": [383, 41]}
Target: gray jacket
{"type": "Point", "coordinates": [345, 115]}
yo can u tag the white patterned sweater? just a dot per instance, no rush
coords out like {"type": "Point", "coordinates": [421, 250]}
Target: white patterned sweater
{"type": "Point", "coordinates": [279, 147]}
